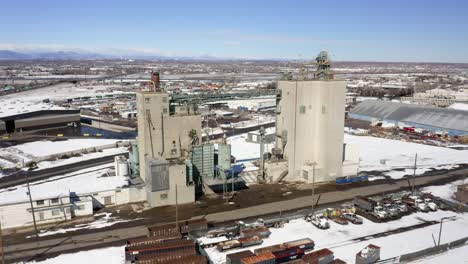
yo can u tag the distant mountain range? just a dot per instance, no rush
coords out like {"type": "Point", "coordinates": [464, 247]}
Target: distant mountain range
{"type": "Point", "coordinates": [72, 55]}
{"type": "Point", "coordinates": [58, 55]}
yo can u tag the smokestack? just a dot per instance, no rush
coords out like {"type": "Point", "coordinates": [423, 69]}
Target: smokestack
{"type": "Point", "coordinates": [155, 80]}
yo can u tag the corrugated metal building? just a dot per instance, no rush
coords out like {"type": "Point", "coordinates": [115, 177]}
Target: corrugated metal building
{"type": "Point", "coordinates": [454, 122]}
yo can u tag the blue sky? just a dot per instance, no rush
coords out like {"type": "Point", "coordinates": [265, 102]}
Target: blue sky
{"type": "Point", "coordinates": [396, 30]}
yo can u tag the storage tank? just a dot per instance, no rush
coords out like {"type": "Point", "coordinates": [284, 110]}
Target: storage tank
{"type": "Point", "coordinates": [121, 166]}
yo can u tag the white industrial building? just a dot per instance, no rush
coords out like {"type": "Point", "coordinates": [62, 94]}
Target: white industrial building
{"type": "Point", "coordinates": [310, 130]}
{"type": "Point", "coordinates": [166, 134]}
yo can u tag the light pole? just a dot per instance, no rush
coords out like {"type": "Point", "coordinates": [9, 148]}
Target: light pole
{"type": "Point", "coordinates": [440, 230]}
{"type": "Point", "coordinates": [1, 245]}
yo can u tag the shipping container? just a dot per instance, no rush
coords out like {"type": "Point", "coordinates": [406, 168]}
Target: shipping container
{"type": "Point", "coordinates": [364, 203]}
{"type": "Point", "coordinates": [322, 256]}
{"type": "Point", "coordinates": [193, 259]}
{"type": "Point", "coordinates": [193, 225]}
{"type": "Point", "coordinates": [305, 244]}
{"type": "Point", "coordinates": [163, 257]}
{"type": "Point", "coordinates": [289, 254]}
{"type": "Point", "coordinates": [222, 246]}
{"type": "Point", "coordinates": [236, 258]}
{"type": "Point", "coordinates": [270, 249]}
{"type": "Point", "coordinates": [149, 240]}
{"type": "Point", "coordinates": [132, 251]}
{"type": "Point", "coordinates": [250, 241]}
{"type": "Point", "coordinates": [262, 232]}
{"type": "Point", "coordinates": [264, 258]}
{"type": "Point", "coordinates": [164, 231]}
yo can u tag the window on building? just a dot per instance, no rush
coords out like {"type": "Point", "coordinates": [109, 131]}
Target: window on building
{"type": "Point", "coordinates": [324, 109]}
{"type": "Point", "coordinates": [147, 100]}
{"type": "Point", "coordinates": [165, 110]}
{"type": "Point", "coordinates": [40, 202]}
{"type": "Point", "coordinates": [54, 200]}
{"type": "Point", "coordinates": [302, 109]}
{"type": "Point", "coordinates": [164, 99]}
{"type": "Point", "coordinates": [163, 196]}
{"type": "Point", "coordinates": [173, 151]}
{"type": "Point", "coordinates": [55, 212]}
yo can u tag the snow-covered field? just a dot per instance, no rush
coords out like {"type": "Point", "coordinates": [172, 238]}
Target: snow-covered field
{"type": "Point", "coordinates": [396, 157]}
{"type": "Point", "coordinates": [102, 255]}
{"type": "Point", "coordinates": [93, 179]}
{"type": "Point", "coordinates": [341, 239]}
{"type": "Point", "coordinates": [63, 91]}
{"type": "Point", "coordinates": [37, 150]}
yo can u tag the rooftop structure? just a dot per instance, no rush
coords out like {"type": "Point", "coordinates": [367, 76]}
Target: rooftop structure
{"type": "Point", "coordinates": [453, 121]}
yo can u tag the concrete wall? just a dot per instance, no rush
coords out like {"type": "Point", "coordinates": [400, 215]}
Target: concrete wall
{"type": "Point", "coordinates": [185, 194]}
{"type": "Point", "coordinates": [312, 113]}
{"type": "Point", "coordinates": [20, 214]}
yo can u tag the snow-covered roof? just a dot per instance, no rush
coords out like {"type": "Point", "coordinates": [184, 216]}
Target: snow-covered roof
{"type": "Point", "coordinates": [18, 106]}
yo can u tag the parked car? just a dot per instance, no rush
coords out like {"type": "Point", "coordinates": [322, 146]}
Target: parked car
{"type": "Point", "coordinates": [320, 221]}
{"type": "Point", "coordinates": [380, 212]}
{"type": "Point", "coordinates": [352, 218]}
{"type": "Point", "coordinates": [392, 211]}
{"type": "Point", "coordinates": [421, 205]}
{"type": "Point", "coordinates": [401, 206]}
{"type": "Point", "coordinates": [430, 204]}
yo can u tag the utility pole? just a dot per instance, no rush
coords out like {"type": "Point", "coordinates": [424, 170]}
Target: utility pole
{"type": "Point", "coordinates": [414, 173]}
{"type": "Point", "coordinates": [31, 202]}
{"type": "Point", "coordinates": [176, 208]}
{"type": "Point", "coordinates": [262, 151]}
{"type": "Point", "coordinates": [313, 188]}
{"type": "Point", "coordinates": [1, 245]}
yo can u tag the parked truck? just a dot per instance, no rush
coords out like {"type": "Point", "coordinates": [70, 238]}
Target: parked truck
{"type": "Point", "coordinates": [370, 206]}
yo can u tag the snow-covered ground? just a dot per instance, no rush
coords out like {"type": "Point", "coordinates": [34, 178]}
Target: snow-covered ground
{"type": "Point", "coordinates": [102, 255]}
{"type": "Point", "coordinates": [37, 150]}
{"type": "Point", "coordinates": [445, 191]}
{"type": "Point", "coordinates": [456, 255]}
{"type": "Point", "coordinates": [396, 157]}
{"type": "Point", "coordinates": [63, 91]}
{"type": "Point", "coordinates": [106, 221]}
{"type": "Point", "coordinates": [344, 242]}
{"type": "Point", "coordinates": [93, 179]}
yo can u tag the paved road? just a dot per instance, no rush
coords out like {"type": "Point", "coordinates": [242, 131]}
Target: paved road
{"type": "Point", "coordinates": [36, 175]}
{"type": "Point", "coordinates": [119, 235]}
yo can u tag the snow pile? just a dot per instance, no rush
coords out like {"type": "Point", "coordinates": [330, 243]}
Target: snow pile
{"type": "Point", "coordinates": [396, 157]}
{"type": "Point", "coordinates": [89, 180]}
{"type": "Point", "coordinates": [345, 241]}
{"type": "Point", "coordinates": [102, 255]}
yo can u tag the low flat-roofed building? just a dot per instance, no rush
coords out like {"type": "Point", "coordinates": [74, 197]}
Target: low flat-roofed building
{"type": "Point", "coordinates": [20, 116]}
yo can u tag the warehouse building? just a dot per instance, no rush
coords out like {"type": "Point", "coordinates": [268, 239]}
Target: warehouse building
{"type": "Point", "coordinates": [19, 116]}
{"type": "Point", "coordinates": [452, 121]}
